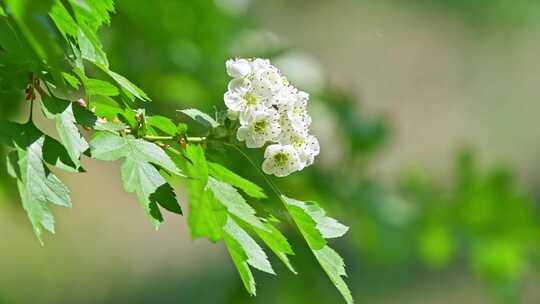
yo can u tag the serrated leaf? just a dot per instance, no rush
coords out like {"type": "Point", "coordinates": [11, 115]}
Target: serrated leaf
{"type": "Point", "coordinates": [334, 267]}
{"type": "Point", "coordinates": [225, 175]}
{"type": "Point", "coordinates": [63, 20]}
{"type": "Point", "coordinates": [71, 80]}
{"type": "Point", "coordinates": [306, 224]}
{"type": "Point", "coordinates": [139, 175]}
{"type": "Point", "coordinates": [100, 87]}
{"type": "Point", "coordinates": [62, 113]}
{"type": "Point", "coordinates": [37, 186]}
{"type": "Point", "coordinates": [234, 202]}
{"type": "Point", "coordinates": [166, 198]}
{"type": "Point", "coordinates": [240, 258]}
{"type": "Point", "coordinates": [206, 216]}
{"type": "Point", "coordinates": [278, 243]}
{"type": "Point", "coordinates": [54, 153]}
{"type": "Point", "coordinates": [16, 135]}
{"type": "Point", "coordinates": [162, 123]}
{"type": "Point", "coordinates": [244, 250]}
{"type": "Point", "coordinates": [101, 125]}
{"type": "Point", "coordinates": [37, 32]}
{"type": "Point", "coordinates": [109, 146]}
{"type": "Point", "coordinates": [329, 227]}
{"type": "Point", "coordinates": [105, 106]}
{"type": "Point", "coordinates": [90, 46]}
{"type": "Point", "coordinates": [143, 179]}
{"type": "Point", "coordinates": [200, 117]}
{"type": "Point", "coordinates": [93, 13]}
{"type": "Point", "coordinates": [315, 226]}
{"type": "Point", "coordinates": [127, 86]}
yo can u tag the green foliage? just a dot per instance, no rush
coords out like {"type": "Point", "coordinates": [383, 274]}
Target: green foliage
{"type": "Point", "coordinates": [63, 114]}
{"type": "Point", "coordinates": [480, 218]}
{"type": "Point", "coordinates": [205, 215]}
{"type": "Point", "coordinates": [139, 174]}
{"type": "Point", "coordinates": [56, 43]}
{"type": "Point", "coordinates": [233, 202]}
{"type": "Point", "coordinates": [215, 206]}
{"type": "Point", "coordinates": [245, 252]}
{"type": "Point", "coordinates": [201, 117]}
{"type": "Point", "coordinates": [37, 186]}
{"type": "Point", "coordinates": [223, 174]}
{"type": "Point", "coordinates": [316, 227]}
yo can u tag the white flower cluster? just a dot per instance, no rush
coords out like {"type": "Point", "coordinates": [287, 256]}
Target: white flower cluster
{"type": "Point", "coordinates": [270, 110]}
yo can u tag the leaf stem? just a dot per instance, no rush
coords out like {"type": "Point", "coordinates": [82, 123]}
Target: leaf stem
{"type": "Point", "coordinates": [266, 179]}
{"type": "Point", "coordinates": [195, 139]}
{"type": "Point", "coordinates": [188, 139]}
{"type": "Point", "coordinates": [153, 137]}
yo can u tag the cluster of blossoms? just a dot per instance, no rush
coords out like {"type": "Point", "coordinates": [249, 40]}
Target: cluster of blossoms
{"type": "Point", "coordinates": [270, 110]}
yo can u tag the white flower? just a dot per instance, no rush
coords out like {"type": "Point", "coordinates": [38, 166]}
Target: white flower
{"type": "Point", "coordinates": [255, 90]}
{"type": "Point", "coordinates": [246, 102]}
{"type": "Point", "coordinates": [297, 111]}
{"type": "Point", "coordinates": [270, 110]}
{"type": "Point", "coordinates": [305, 144]}
{"type": "Point", "coordinates": [239, 85]}
{"type": "Point", "coordinates": [288, 94]}
{"type": "Point", "coordinates": [261, 128]}
{"type": "Point", "coordinates": [259, 63]}
{"type": "Point", "coordinates": [267, 81]}
{"type": "Point", "coordinates": [238, 68]}
{"type": "Point", "coordinates": [280, 160]}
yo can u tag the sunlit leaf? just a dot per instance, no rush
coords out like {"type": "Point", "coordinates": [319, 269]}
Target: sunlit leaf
{"type": "Point", "coordinates": [139, 174]}
{"type": "Point", "coordinates": [200, 117]}
{"type": "Point", "coordinates": [225, 175]}
{"type": "Point", "coordinates": [315, 226]}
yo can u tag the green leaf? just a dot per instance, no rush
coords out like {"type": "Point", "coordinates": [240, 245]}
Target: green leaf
{"type": "Point", "coordinates": [71, 80]}
{"type": "Point", "coordinates": [2, 12]}
{"type": "Point", "coordinates": [334, 267]}
{"type": "Point", "coordinates": [32, 21]}
{"type": "Point", "coordinates": [63, 20]}
{"type": "Point", "coordinates": [143, 179]}
{"type": "Point", "coordinates": [37, 186]}
{"type": "Point", "coordinates": [245, 251]}
{"type": "Point", "coordinates": [62, 113]}
{"type": "Point", "coordinates": [306, 224]}
{"type": "Point", "coordinates": [315, 226]}
{"type": "Point", "coordinates": [16, 135]}
{"type": "Point", "coordinates": [225, 175]}
{"type": "Point", "coordinates": [109, 146]}
{"type": "Point", "coordinates": [234, 202]}
{"type": "Point", "coordinates": [206, 216]}
{"type": "Point", "coordinates": [109, 126]}
{"type": "Point", "coordinates": [255, 254]}
{"type": "Point", "coordinates": [162, 123]}
{"type": "Point", "coordinates": [139, 175]}
{"type": "Point", "coordinates": [90, 46]}
{"type": "Point", "coordinates": [240, 258]}
{"type": "Point", "coordinates": [278, 243]}
{"type": "Point", "coordinates": [105, 106]}
{"type": "Point", "coordinates": [166, 198]}
{"type": "Point", "coordinates": [327, 226]}
{"type": "Point", "coordinates": [127, 86]}
{"type": "Point", "coordinates": [100, 87]}
{"type": "Point", "coordinates": [94, 13]}
{"type": "Point", "coordinates": [55, 153]}
{"type": "Point", "coordinates": [200, 117]}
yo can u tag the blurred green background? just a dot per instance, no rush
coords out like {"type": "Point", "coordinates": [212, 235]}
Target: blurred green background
{"type": "Point", "coordinates": [427, 115]}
